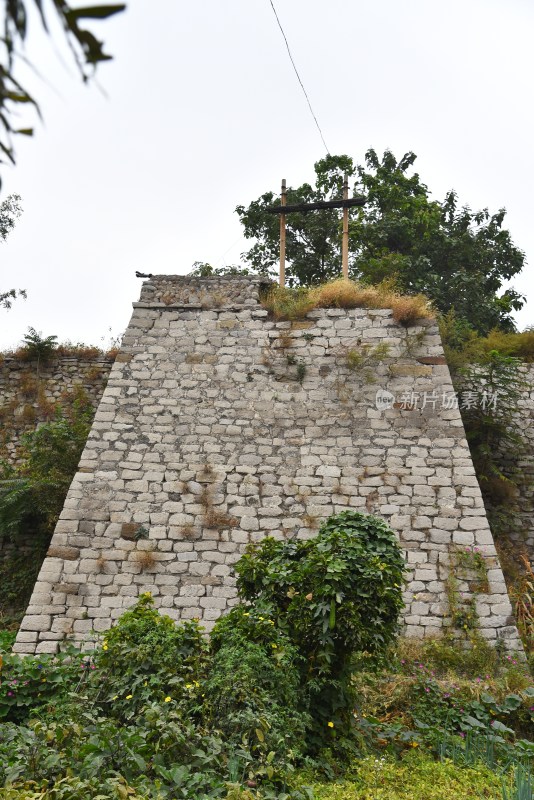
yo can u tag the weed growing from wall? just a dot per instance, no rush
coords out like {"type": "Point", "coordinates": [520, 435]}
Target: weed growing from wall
{"type": "Point", "coordinates": [467, 565]}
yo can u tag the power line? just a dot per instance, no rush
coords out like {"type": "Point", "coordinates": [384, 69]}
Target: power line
{"type": "Point", "coordinates": [298, 76]}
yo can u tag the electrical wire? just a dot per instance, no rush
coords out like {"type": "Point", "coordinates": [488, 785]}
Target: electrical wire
{"type": "Point", "coordinates": [298, 76]}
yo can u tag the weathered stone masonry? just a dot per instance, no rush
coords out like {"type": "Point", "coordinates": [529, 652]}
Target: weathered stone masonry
{"type": "Point", "coordinates": [219, 426]}
{"type": "Point", "coordinates": [519, 465]}
{"type": "Point", "coordinates": [28, 396]}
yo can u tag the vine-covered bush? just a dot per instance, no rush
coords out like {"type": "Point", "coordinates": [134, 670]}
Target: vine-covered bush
{"type": "Point", "coordinates": [337, 595]}
{"type": "Point", "coordinates": [147, 657]}
{"type": "Point", "coordinates": [253, 688]}
{"type": "Point", "coordinates": [32, 684]}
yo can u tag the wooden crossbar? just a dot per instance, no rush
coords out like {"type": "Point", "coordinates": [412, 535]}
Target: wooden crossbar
{"type": "Point", "coordinates": [318, 206]}
{"type": "Point", "coordinates": [283, 209]}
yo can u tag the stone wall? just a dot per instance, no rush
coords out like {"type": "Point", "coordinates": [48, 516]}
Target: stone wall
{"type": "Point", "coordinates": [220, 425]}
{"type": "Point", "coordinates": [518, 464]}
{"type": "Point", "coordinates": [29, 394]}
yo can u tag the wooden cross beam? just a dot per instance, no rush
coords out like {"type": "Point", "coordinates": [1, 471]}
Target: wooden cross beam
{"type": "Point", "coordinates": [283, 209]}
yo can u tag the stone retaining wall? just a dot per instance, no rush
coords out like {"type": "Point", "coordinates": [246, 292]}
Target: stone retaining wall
{"type": "Point", "coordinates": [518, 464]}
{"type": "Point", "coordinates": [220, 425]}
{"type": "Point", "coordinates": [29, 394]}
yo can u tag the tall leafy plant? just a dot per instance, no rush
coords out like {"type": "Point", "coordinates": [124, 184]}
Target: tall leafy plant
{"type": "Point", "coordinates": [337, 595]}
{"type": "Point", "coordinates": [39, 348]}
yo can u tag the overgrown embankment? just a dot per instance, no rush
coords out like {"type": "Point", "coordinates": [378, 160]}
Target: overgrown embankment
{"type": "Point", "coordinates": [32, 389]}
{"type": "Point", "coordinates": [48, 394]}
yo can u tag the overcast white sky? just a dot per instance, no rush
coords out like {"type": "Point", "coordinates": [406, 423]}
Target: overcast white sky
{"type": "Point", "coordinates": [203, 112]}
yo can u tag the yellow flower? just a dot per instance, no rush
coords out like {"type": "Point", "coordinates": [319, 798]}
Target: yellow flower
{"type": "Point", "coordinates": [116, 697]}
{"type": "Point", "coordinates": [274, 645]}
{"type": "Point", "coordinates": [246, 614]}
{"type": "Point", "coordinates": [129, 696]}
{"type": "Point", "coordinates": [104, 647]}
{"type": "Point", "coordinates": [196, 683]}
{"type": "Point", "coordinates": [414, 744]}
{"type": "Point", "coordinates": [188, 685]}
{"type": "Point", "coordinates": [168, 699]}
{"type": "Point", "coordinates": [262, 618]}
{"type": "Point", "coordinates": [330, 724]}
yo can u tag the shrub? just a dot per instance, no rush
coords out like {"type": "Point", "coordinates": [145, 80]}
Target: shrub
{"type": "Point", "coordinates": [337, 595]}
{"type": "Point", "coordinates": [32, 683]}
{"type": "Point", "coordinates": [39, 348]}
{"type": "Point", "coordinates": [146, 657]}
{"type": "Point", "coordinates": [253, 686]}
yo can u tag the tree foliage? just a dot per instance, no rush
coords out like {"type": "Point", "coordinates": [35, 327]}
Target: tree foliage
{"type": "Point", "coordinates": [10, 211]}
{"type": "Point", "coordinates": [39, 348]}
{"type": "Point", "coordinates": [337, 595]}
{"type": "Point", "coordinates": [87, 51]}
{"type": "Point", "coordinates": [32, 496]}
{"type": "Point", "coordinates": [458, 257]}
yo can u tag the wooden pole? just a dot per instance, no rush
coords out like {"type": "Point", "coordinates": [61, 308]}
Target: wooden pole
{"type": "Point", "coordinates": [345, 241]}
{"type": "Point", "coordinates": [283, 199]}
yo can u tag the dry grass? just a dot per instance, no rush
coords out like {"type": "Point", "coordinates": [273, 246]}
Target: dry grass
{"type": "Point", "coordinates": [341, 293]}
{"type": "Point", "coordinates": [101, 565]}
{"type": "Point", "coordinates": [82, 351]}
{"type": "Point", "coordinates": [28, 414]}
{"type": "Point", "coordinates": [219, 519]}
{"type": "Point", "coordinates": [285, 340]}
{"type": "Point", "coordinates": [146, 559]}
{"type": "Point", "coordinates": [288, 303]}
{"type": "Point", "coordinates": [522, 594]}
{"type": "Point", "coordinates": [407, 310]}
{"type": "Point", "coordinates": [112, 353]}
{"type": "Point", "coordinates": [29, 385]}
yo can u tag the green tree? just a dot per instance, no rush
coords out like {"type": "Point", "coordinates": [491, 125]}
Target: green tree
{"type": "Point", "coordinates": [10, 211]}
{"type": "Point", "coordinates": [457, 257]}
{"type": "Point", "coordinates": [87, 51]}
{"type": "Point", "coordinates": [313, 240]}
{"type": "Point", "coordinates": [32, 496]}
{"type": "Point", "coordinates": [39, 348]}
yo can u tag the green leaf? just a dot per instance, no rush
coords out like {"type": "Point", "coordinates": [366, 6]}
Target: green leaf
{"type": "Point", "coordinates": [332, 622]}
{"type": "Point", "coordinates": [95, 12]}
{"type": "Point", "coordinates": [473, 722]}
{"type": "Point", "coordinates": [512, 702]}
{"type": "Point", "coordinates": [260, 735]}
{"type": "Point", "coordinates": [498, 726]}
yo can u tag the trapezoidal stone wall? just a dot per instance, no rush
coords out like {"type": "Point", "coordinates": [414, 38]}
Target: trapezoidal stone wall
{"type": "Point", "coordinates": [220, 425]}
